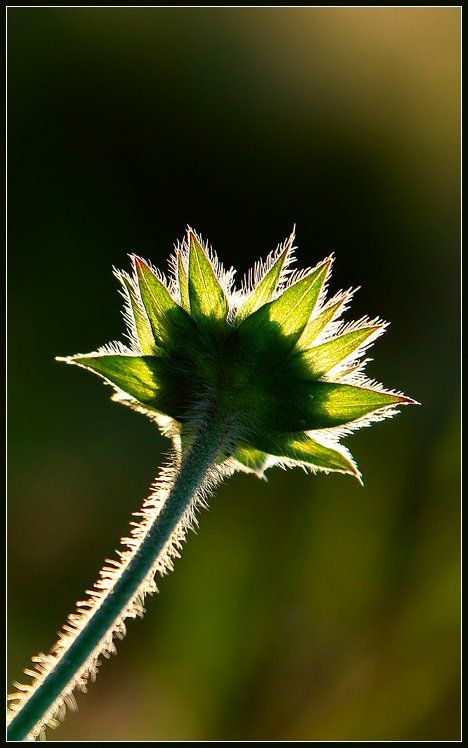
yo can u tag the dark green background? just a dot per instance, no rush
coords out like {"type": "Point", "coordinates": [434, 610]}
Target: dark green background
{"type": "Point", "coordinates": [305, 608]}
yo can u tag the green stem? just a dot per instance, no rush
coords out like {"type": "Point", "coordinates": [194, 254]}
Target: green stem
{"type": "Point", "coordinates": [193, 470]}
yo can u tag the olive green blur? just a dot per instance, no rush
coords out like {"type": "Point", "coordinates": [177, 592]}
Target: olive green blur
{"type": "Point", "coordinates": [305, 608]}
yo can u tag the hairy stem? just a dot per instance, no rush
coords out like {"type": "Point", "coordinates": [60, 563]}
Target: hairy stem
{"type": "Point", "coordinates": [193, 472]}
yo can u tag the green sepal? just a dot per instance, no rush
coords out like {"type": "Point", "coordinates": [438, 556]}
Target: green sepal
{"type": "Point", "coordinates": [284, 319]}
{"type": "Point", "coordinates": [182, 277]}
{"type": "Point", "coordinates": [307, 451]}
{"type": "Point", "coordinates": [141, 322]}
{"type": "Point", "coordinates": [265, 289]}
{"type": "Point", "coordinates": [134, 375]}
{"type": "Point", "coordinates": [313, 328]}
{"type": "Point", "coordinates": [332, 404]}
{"type": "Point", "coordinates": [322, 358]}
{"type": "Point", "coordinates": [251, 459]}
{"type": "Point", "coordinates": [170, 323]}
{"type": "Point", "coordinates": [304, 405]}
{"type": "Point", "coordinates": [208, 301]}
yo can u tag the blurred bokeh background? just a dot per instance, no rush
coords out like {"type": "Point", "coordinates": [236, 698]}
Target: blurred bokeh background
{"type": "Point", "coordinates": [305, 608]}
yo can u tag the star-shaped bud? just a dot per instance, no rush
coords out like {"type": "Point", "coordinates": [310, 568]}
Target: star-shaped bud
{"type": "Point", "coordinates": [274, 358]}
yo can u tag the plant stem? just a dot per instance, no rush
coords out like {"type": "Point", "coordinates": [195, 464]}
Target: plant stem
{"type": "Point", "coordinates": [193, 470]}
